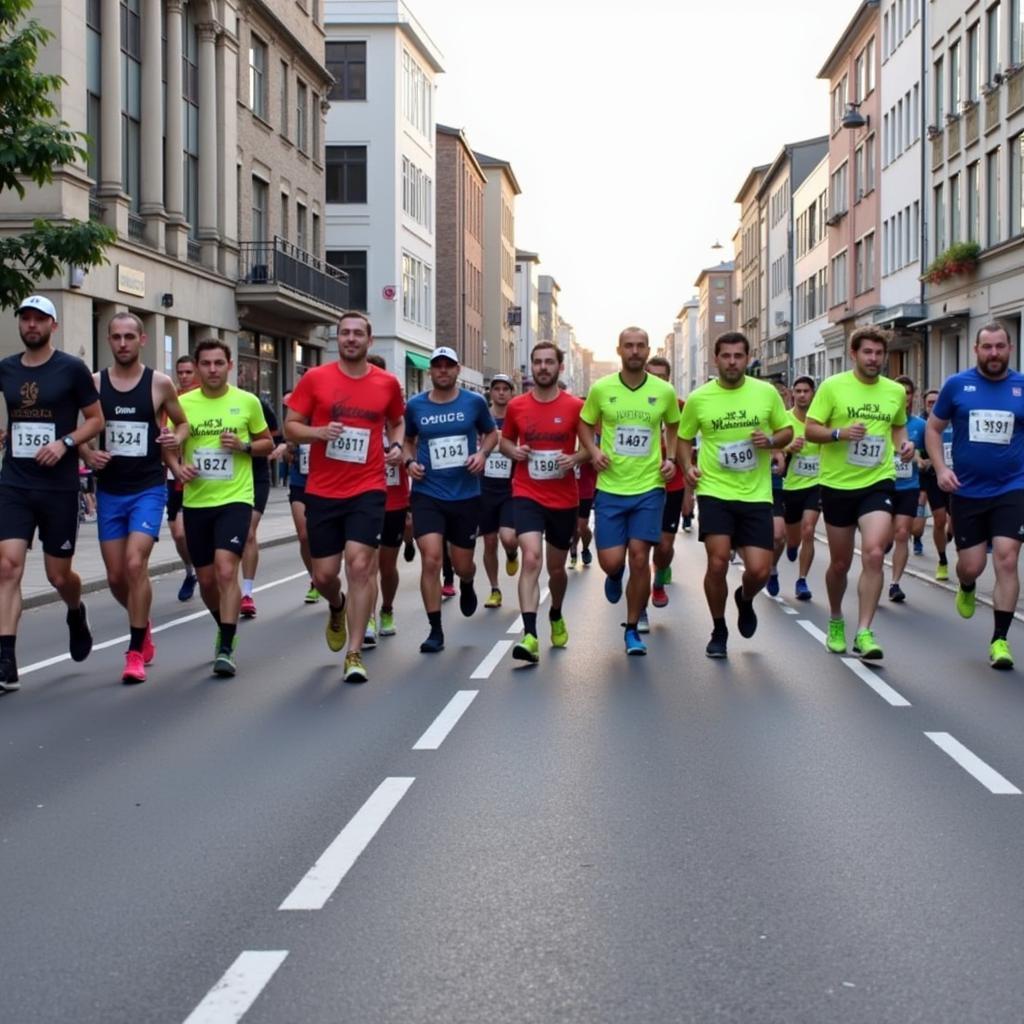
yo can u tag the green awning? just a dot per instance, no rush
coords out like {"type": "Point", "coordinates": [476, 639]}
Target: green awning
{"type": "Point", "coordinates": [416, 360]}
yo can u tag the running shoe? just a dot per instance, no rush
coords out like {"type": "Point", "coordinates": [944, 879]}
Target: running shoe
{"type": "Point", "coordinates": [634, 645]}
{"type": "Point", "coordinates": [791, 553]}
{"type": "Point", "coordinates": [9, 675]}
{"type": "Point", "coordinates": [387, 624]}
{"type": "Point", "coordinates": [148, 647]}
{"type": "Point", "coordinates": [643, 624]}
{"type": "Point", "coordinates": [312, 595]}
{"type": "Point", "coordinates": [447, 590]}
{"type": "Point", "coordinates": [688, 525]}
{"type": "Point", "coordinates": [965, 602]}
{"type": "Point", "coordinates": [467, 598]}
{"type": "Point", "coordinates": [613, 587]}
{"type": "Point", "coordinates": [370, 634]}
{"type": "Point", "coordinates": [188, 587]}
{"type": "Point", "coordinates": [803, 592]}
{"type": "Point", "coordinates": [572, 561]}
{"type": "Point", "coordinates": [433, 643]}
{"type": "Point", "coordinates": [746, 620]}
{"type": "Point", "coordinates": [772, 586]}
{"type": "Point", "coordinates": [836, 639]}
{"type": "Point", "coordinates": [717, 646]}
{"type": "Point", "coordinates": [896, 594]}
{"type": "Point", "coordinates": [79, 636]}
{"type": "Point", "coordinates": [659, 595]}
{"type": "Point", "coordinates": [528, 649]}
{"type": "Point", "coordinates": [918, 546]}
{"type": "Point", "coordinates": [247, 609]}
{"type": "Point", "coordinates": [409, 551]}
{"type": "Point", "coordinates": [224, 663]}
{"type": "Point", "coordinates": [668, 575]}
{"type": "Point", "coordinates": [355, 670]}
{"type": "Point", "coordinates": [335, 631]}
{"type": "Point", "coordinates": [942, 572]}
{"type": "Point", "coordinates": [865, 646]}
{"type": "Point", "coordinates": [559, 633]}
{"type": "Point", "coordinates": [586, 556]}
{"type": "Point", "coordinates": [512, 563]}
{"type": "Point", "coordinates": [493, 599]}
{"type": "Point", "coordinates": [216, 642]}
{"type": "Point", "coordinates": [999, 655]}
{"type": "Point", "coordinates": [134, 668]}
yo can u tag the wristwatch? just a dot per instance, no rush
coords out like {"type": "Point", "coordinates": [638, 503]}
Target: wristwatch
{"type": "Point", "coordinates": [409, 461]}
{"type": "Point", "coordinates": [247, 448]}
{"type": "Point", "coordinates": [835, 434]}
{"type": "Point", "coordinates": [68, 440]}
{"type": "Point", "coordinates": [393, 445]}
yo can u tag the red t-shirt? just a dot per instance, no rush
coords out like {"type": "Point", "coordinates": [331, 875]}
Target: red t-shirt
{"type": "Point", "coordinates": [398, 485]}
{"type": "Point", "coordinates": [546, 428]}
{"type": "Point", "coordinates": [678, 482]}
{"type": "Point", "coordinates": [354, 463]}
{"type": "Point", "coordinates": [587, 480]}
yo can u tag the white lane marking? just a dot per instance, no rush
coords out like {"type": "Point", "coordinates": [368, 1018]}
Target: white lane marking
{"type": "Point", "coordinates": [884, 690]}
{"type": "Point", "coordinates": [789, 611]}
{"type": "Point", "coordinates": [973, 765]}
{"type": "Point", "coordinates": [813, 630]}
{"type": "Point", "coordinates": [117, 640]}
{"type": "Point", "coordinates": [517, 625]}
{"type": "Point", "coordinates": [445, 722]}
{"type": "Point", "coordinates": [319, 883]}
{"type": "Point", "coordinates": [237, 990]}
{"type": "Point", "coordinates": [490, 663]}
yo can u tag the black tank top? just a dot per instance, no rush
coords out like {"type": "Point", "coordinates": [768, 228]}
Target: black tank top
{"type": "Point", "coordinates": [131, 433]}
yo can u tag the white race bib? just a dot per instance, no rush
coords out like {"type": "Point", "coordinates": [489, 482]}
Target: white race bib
{"type": "Point", "coordinates": [28, 438]}
{"type": "Point", "coordinates": [304, 459]}
{"type": "Point", "coordinates": [392, 477]}
{"type": "Point", "coordinates": [806, 465]}
{"type": "Point", "coordinates": [352, 446]}
{"type": "Point", "coordinates": [498, 466]}
{"type": "Point", "coordinates": [738, 456]}
{"type": "Point", "coordinates": [634, 441]}
{"type": "Point", "coordinates": [544, 465]}
{"type": "Point", "coordinates": [868, 451]}
{"type": "Point", "coordinates": [448, 452]}
{"type": "Point", "coordinates": [947, 453]}
{"type": "Point", "coordinates": [904, 470]}
{"type": "Point", "coordinates": [214, 463]}
{"type": "Point", "coordinates": [126, 438]}
{"type": "Point", "coordinates": [990, 426]}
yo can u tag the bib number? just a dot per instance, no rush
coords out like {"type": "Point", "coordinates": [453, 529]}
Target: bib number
{"type": "Point", "coordinates": [352, 446]}
{"type": "Point", "coordinates": [904, 470]}
{"type": "Point", "coordinates": [544, 465]}
{"type": "Point", "coordinates": [28, 438]}
{"type": "Point", "coordinates": [737, 456]}
{"type": "Point", "coordinates": [214, 464]}
{"type": "Point", "coordinates": [947, 453]}
{"type": "Point", "coordinates": [304, 459]}
{"type": "Point", "coordinates": [127, 439]}
{"type": "Point", "coordinates": [497, 466]}
{"type": "Point", "coordinates": [634, 441]}
{"type": "Point", "coordinates": [448, 452]}
{"type": "Point", "coordinates": [867, 452]}
{"type": "Point", "coordinates": [990, 426]}
{"type": "Point", "coordinates": [806, 465]}
{"type": "Point", "coordinates": [392, 477]}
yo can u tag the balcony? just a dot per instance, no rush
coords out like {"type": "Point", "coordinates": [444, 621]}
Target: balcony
{"type": "Point", "coordinates": [286, 281]}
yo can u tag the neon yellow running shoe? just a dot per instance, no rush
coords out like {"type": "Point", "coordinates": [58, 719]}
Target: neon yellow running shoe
{"type": "Point", "coordinates": [865, 646]}
{"type": "Point", "coordinates": [512, 564]}
{"type": "Point", "coordinates": [965, 602]}
{"type": "Point", "coordinates": [836, 639]}
{"type": "Point", "coordinates": [493, 600]}
{"type": "Point", "coordinates": [528, 649]}
{"type": "Point", "coordinates": [942, 572]}
{"type": "Point", "coordinates": [335, 631]}
{"type": "Point", "coordinates": [355, 670]}
{"type": "Point", "coordinates": [999, 655]}
{"type": "Point", "coordinates": [559, 633]}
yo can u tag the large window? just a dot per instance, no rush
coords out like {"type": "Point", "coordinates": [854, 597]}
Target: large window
{"type": "Point", "coordinates": [353, 262]}
{"type": "Point", "coordinates": [417, 194]}
{"type": "Point", "coordinates": [190, 119]}
{"type": "Point", "coordinates": [1016, 32]}
{"type": "Point", "coordinates": [417, 96]}
{"type": "Point", "coordinates": [954, 78]}
{"type": "Point", "coordinates": [283, 96]}
{"type": "Point", "coordinates": [302, 116]}
{"type": "Point", "coordinates": [131, 101]}
{"type": "Point", "coordinates": [974, 202]}
{"type": "Point", "coordinates": [864, 266]}
{"type": "Point", "coordinates": [93, 86]}
{"type": "Point", "coordinates": [939, 219]}
{"type": "Point", "coordinates": [955, 224]}
{"type": "Point", "coordinates": [346, 174]}
{"type": "Point", "coordinates": [993, 65]}
{"type": "Point", "coordinates": [417, 291]}
{"type": "Point", "coordinates": [839, 281]}
{"type": "Point", "coordinates": [258, 76]}
{"type": "Point", "coordinates": [993, 224]}
{"type": "Point", "coordinates": [347, 62]}
{"type": "Point", "coordinates": [840, 189]}
{"type": "Point", "coordinates": [974, 61]}
{"type": "Point", "coordinates": [260, 224]}
{"type": "Point", "coordinates": [938, 91]}
{"type": "Point", "coordinates": [1016, 189]}
{"type": "Point", "coordinates": [839, 100]}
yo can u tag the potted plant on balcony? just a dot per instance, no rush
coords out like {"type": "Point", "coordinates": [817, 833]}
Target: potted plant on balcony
{"type": "Point", "coordinates": [959, 258]}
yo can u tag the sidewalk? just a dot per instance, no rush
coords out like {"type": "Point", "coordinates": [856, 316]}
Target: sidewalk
{"type": "Point", "coordinates": [276, 527]}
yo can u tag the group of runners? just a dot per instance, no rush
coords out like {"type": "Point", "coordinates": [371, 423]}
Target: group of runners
{"type": "Point", "coordinates": [370, 473]}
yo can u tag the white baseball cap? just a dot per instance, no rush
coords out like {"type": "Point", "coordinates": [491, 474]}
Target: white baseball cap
{"type": "Point", "coordinates": [40, 303]}
{"type": "Point", "coordinates": [444, 352]}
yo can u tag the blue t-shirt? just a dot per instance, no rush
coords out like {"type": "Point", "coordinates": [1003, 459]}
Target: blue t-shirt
{"type": "Point", "coordinates": [915, 434]}
{"type": "Point", "coordinates": [446, 436]}
{"type": "Point", "coordinates": [987, 417]}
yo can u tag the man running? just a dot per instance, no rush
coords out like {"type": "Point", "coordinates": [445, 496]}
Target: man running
{"type": "Point", "coordinates": [801, 496]}
{"type": "Point", "coordinates": [225, 429]}
{"type": "Point", "coordinates": [908, 490]}
{"type": "Point", "coordinates": [185, 371]}
{"type": "Point", "coordinates": [985, 406]}
{"type": "Point", "coordinates": [586, 480]}
{"type": "Point", "coordinates": [740, 420]}
{"type": "Point", "coordinates": [449, 433]}
{"type": "Point", "coordinates": [342, 409]}
{"type": "Point", "coordinates": [130, 473]}
{"type": "Point", "coordinates": [859, 419]}
{"type": "Point", "coordinates": [629, 410]}
{"type": "Point", "coordinates": [45, 390]}
{"type": "Point", "coordinates": [496, 498]}
{"type": "Point", "coordinates": [938, 499]}
{"type": "Point", "coordinates": [540, 436]}
{"type": "Point", "coordinates": [297, 459]}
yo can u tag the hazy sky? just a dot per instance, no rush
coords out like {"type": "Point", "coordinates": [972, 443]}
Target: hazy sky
{"type": "Point", "coordinates": [630, 136]}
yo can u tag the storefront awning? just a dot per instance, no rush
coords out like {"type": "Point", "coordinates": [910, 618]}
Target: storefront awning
{"type": "Point", "coordinates": [944, 319]}
{"type": "Point", "coordinates": [415, 360]}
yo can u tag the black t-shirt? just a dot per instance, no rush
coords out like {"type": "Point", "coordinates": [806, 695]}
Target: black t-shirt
{"type": "Point", "coordinates": [260, 463]}
{"type": "Point", "coordinates": [43, 403]}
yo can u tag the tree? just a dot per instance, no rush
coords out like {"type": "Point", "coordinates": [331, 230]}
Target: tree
{"type": "Point", "coordinates": [32, 143]}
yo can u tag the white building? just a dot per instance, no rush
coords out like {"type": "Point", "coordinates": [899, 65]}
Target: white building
{"type": "Point", "coordinates": [572, 368]}
{"type": "Point", "coordinates": [810, 274]}
{"type": "Point", "coordinates": [526, 304]}
{"type": "Point", "coordinates": [684, 348]}
{"type": "Point", "coordinates": [381, 172]}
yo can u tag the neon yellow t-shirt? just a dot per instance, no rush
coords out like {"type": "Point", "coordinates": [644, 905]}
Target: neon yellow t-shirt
{"type": "Point", "coordinates": [731, 468]}
{"type": "Point", "coordinates": [805, 465]}
{"type": "Point", "coordinates": [226, 476]}
{"type": "Point", "coordinates": [629, 422]}
{"type": "Point", "coordinates": [843, 400]}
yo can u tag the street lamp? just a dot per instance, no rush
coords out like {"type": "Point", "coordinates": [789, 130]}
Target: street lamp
{"type": "Point", "coordinates": [853, 118]}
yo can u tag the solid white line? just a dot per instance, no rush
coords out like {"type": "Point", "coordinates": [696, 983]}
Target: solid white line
{"type": "Point", "coordinates": [490, 663]}
{"type": "Point", "coordinates": [171, 624]}
{"type": "Point", "coordinates": [319, 883]}
{"type": "Point", "coordinates": [813, 630]}
{"type": "Point", "coordinates": [884, 690]}
{"type": "Point", "coordinates": [237, 990]}
{"type": "Point", "coordinates": [973, 765]}
{"type": "Point", "coordinates": [445, 722]}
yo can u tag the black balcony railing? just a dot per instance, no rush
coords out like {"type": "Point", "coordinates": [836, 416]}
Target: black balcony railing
{"type": "Point", "coordinates": [281, 263]}
{"type": "Point", "coordinates": [96, 208]}
{"type": "Point", "coordinates": [136, 228]}
{"type": "Point", "coordinates": [194, 251]}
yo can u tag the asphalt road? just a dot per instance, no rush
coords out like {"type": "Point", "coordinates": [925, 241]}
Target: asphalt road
{"type": "Point", "coordinates": [783, 836]}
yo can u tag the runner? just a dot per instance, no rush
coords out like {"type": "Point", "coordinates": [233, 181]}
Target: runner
{"type": "Point", "coordinates": [341, 409]}
{"type": "Point", "coordinates": [130, 472]}
{"type": "Point", "coordinates": [938, 499]}
{"type": "Point", "coordinates": [496, 498]}
{"type": "Point", "coordinates": [628, 409]}
{"type": "Point", "coordinates": [908, 489]}
{"type": "Point", "coordinates": [449, 433]}
{"type": "Point", "coordinates": [859, 419]}
{"type": "Point", "coordinates": [540, 435]}
{"type": "Point", "coordinates": [185, 371]}
{"type": "Point", "coordinates": [740, 420]}
{"type": "Point", "coordinates": [297, 459]}
{"type": "Point", "coordinates": [801, 496]}
{"type": "Point", "coordinates": [985, 406]}
{"type": "Point", "coordinates": [45, 390]}
{"type": "Point", "coordinates": [586, 480]}
{"type": "Point", "coordinates": [225, 429]}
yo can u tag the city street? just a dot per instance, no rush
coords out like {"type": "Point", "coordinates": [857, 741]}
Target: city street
{"type": "Point", "coordinates": [783, 836]}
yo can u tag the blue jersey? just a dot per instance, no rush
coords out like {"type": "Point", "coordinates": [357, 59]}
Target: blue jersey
{"type": "Point", "coordinates": [987, 417]}
{"type": "Point", "coordinates": [906, 472]}
{"type": "Point", "coordinates": [446, 436]}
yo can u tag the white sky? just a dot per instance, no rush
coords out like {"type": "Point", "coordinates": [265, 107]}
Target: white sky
{"type": "Point", "coordinates": [631, 135]}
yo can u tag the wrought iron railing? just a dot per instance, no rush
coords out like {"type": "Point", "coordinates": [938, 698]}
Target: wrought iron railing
{"type": "Point", "coordinates": [279, 262]}
{"type": "Point", "coordinates": [136, 228]}
{"type": "Point", "coordinates": [195, 251]}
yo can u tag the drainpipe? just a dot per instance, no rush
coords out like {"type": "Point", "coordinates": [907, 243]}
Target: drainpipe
{"type": "Point", "coordinates": [925, 193]}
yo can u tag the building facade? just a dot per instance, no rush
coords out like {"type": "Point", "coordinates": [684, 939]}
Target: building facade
{"type": "Point", "coordinates": [526, 310]}
{"type": "Point", "coordinates": [716, 315]}
{"type": "Point", "coordinates": [810, 296]}
{"type": "Point", "coordinates": [752, 240]}
{"type": "Point", "coordinates": [548, 292]}
{"type": "Point", "coordinates": [685, 347]}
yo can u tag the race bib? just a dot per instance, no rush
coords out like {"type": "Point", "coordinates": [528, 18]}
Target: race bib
{"type": "Point", "coordinates": [868, 451]}
{"type": "Point", "coordinates": [990, 426]}
{"type": "Point", "coordinates": [498, 466]}
{"type": "Point", "coordinates": [737, 456]}
{"type": "Point", "coordinates": [127, 439]}
{"type": "Point", "coordinates": [806, 465]}
{"type": "Point", "coordinates": [947, 453]}
{"type": "Point", "coordinates": [904, 470]}
{"type": "Point", "coordinates": [304, 459]}
{"type": "Point", "coordinates": [632, 441]}
{"type": "Point", "coordinates": [544, 465]}
{"type": "Point", "coordinates": [214, 463]}
{"type": "Point", "coordinates": [392, 477]}
{"type": "Point", "coordinates": [352, 446]}
{"type": "Point", "coordinates": [448, 452]}
{"type": "Point", "coordinates": [28, 438]}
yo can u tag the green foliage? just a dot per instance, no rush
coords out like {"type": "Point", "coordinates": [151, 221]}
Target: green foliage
{"type": "Point", "coordinates": [959, 258]}
{"type": "Point", "coordinates": [32, 144]}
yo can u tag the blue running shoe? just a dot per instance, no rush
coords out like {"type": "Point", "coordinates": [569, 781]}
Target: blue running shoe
{"type": "Point", "coordinates": [791, 553]}
{"type": "Point", "coordinates": [803, 592]}
{"type": "Point", "coordinates": [918, 546]}
{"type": "Point", "coordinates": [613, 587]}
{"type": "Point", "coordinates": [634, 645]}
{"type": "Point", "coordinates": [772, 586]}
{"type": "Point", "coordinates": [188, 587]}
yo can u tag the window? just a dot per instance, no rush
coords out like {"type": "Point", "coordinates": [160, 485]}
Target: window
{"type": "Point", "coordinates": [993, 224]}
{"type": "Point", "coordinates": [839, 279]}
{"type": "Point", "coordinates": [938, 94]}
{"type": "Point", "coordinates": [316, 235]}
{"type": "Point", "coordinates": [301, 116]}
{"type": "Point", "coordinates": [284, 99]}
{"type": "Point", "coordinates": [131, 101]}
{"type": "Point", "coordinates": [955, 227]}
{"type": "Point", "coordinates": [973, 202]}
{"type": "Point", "coordinates": [417, 194]}
{"type": "Point", "coordinates": [915, 238]}
{"type": "Point", "coordinates": [190, 120]}
{"type": "Point", "coordinates": [954, 78]}
{"type": "Point", "coordinates": [839, 100]}
{"type": "Point", "coordinates": [258, 76]}
{"type": "Point", "coordinates": [93, 64]}
{"type": "Point", "coordinates": [417, 291]}
{"type": "Point", "coordinates": [285, 227]}
{"type": "Point", "coordinates": [315, 121]}
{"type": "Point", "coordinates": [885, 36]}
{"type": "Point", "coordinates": [353, 262]}
{"type": "Point", "coordinates": [1016, 32]}
{"type": "Point", "coordinates": [860, 83]}
{"type": "Point", "coordinates": [973, 61]}
{"type": "Point", "coordinates": [939, 219]}
{"type": "Point", "coordinates": [347, 62]}
{"type": "Point", "coordinates": [1016, 191]}
{"type": "Point", "coordinates": [861, 278]}
{"type": "Point", "coordinates": [992, 63]}
{"type": "Point", "coordinates": [301, 239]}
{"type": "Point", "coordinates": [417, 96]}
{"type": "Point", "coordinates": [260, 190]}
{"type": "Point", "coordinates": [840, 189]}
{"type": "Point", "coordinates": [346, 174]}
{"type": "Point", "coordinates": [869, 163]}
{"type": "Point", "coordinates": [869, 66]}
{"type": "Point", "coordinates": [859, 184]}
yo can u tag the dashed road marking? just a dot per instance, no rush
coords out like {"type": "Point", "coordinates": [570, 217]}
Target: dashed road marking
{"type": "Point", "coordinates": [238, 988]}
{"type": "Point", "coordinates": [884, 690]}
{"type": "Point", "coordinates": [490, 663]}
{"type": "Point", "coordinates": [811, 628]}
{"type": "Point", "coordinates": [973, 765]}
{"type": "Point", "coordinates": [446, 721]}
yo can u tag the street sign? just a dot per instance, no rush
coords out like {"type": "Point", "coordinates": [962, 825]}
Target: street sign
{"type": "Point", "coordinates": [390, 292]}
